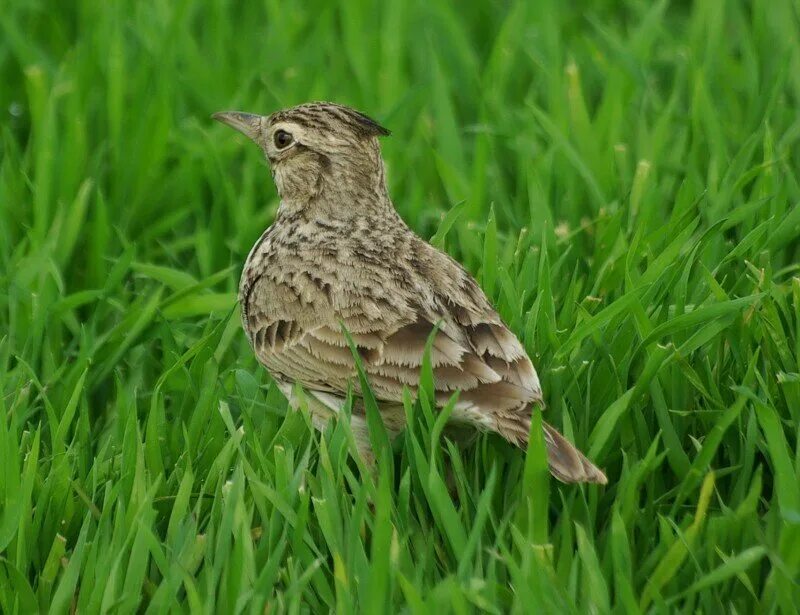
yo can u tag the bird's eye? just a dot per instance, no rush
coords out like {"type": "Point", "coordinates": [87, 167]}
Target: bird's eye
{"type": "Point", "coordinates": [282, 139]}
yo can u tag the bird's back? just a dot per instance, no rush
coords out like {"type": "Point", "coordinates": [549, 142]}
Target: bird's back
{"type": "Point", "coordinates": [305, 279]}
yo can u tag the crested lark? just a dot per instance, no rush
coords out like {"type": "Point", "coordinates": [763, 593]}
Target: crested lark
{"type": "Point", "coordinates": [338, 254]}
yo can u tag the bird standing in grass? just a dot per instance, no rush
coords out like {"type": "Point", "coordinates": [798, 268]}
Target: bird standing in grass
{"type": "Point", "coordinates": [339, 256]}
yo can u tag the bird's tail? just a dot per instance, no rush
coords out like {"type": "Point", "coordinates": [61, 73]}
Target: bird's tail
{"type": "Point", "coordinates": [566, 462]}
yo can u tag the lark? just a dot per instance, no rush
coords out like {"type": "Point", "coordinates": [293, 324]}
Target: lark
{"type": "Point", "coordinates": [338, 258]}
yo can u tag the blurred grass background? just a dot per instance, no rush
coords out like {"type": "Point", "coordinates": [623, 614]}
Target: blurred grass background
{"type": "Point", "coordinates": [623, 181]}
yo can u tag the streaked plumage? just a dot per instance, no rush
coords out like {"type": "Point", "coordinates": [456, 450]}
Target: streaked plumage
{"type": "Point", "coordinates": [338, 254]}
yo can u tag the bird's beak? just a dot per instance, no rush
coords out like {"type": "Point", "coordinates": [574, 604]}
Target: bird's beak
{"type": "Point", "coordinates": [248, 124]}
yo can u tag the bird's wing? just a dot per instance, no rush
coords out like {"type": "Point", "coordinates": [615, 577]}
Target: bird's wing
{"type": "Point", "coordinates": [297, 332]}
{"type": "Point", "coordinates": [295, 321]}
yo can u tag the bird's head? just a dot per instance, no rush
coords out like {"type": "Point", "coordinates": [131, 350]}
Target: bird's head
{"type": "Point", "coordinates": [317, 151]}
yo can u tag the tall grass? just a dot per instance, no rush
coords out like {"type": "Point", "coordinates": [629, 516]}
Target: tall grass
{"type": "Point", "coordinates": [626, 188]}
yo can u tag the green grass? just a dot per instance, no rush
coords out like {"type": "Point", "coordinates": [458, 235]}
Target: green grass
{"type": "Point", "coordinates": [629, 197]}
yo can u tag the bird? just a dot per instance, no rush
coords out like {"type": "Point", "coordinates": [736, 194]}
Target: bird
{"type": "Point", "coordinates": [339, 261]}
